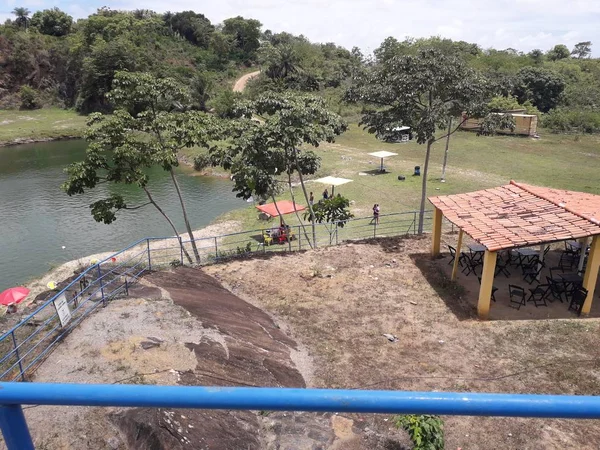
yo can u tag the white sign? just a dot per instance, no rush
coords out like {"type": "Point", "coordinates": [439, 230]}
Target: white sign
{"type": "Point", "coordinates": [62, 309]}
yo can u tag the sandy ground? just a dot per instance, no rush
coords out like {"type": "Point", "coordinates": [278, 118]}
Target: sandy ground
{"type": "Point", "coordinates": [339, 301]}
{"type": "Point", "coordinates": [240, 84]}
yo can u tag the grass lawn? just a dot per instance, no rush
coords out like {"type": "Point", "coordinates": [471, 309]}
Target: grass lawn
{"type": "Point", "coordinates": [560, 161]}
{"type": "Point", "coordinates": [52, 123]}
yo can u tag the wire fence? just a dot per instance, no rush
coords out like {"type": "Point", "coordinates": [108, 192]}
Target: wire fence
{"type": "Point", "coordinates": [25, 346]}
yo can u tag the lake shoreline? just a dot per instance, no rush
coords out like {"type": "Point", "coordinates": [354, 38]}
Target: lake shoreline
{"type": "Point", "coordinates": [35, 140]}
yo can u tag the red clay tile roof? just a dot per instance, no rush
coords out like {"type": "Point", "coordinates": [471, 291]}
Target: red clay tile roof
{"type": "Point", "coordinates": [518, 215]}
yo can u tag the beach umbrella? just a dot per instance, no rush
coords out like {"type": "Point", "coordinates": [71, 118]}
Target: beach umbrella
{"type": "Point", "coordinates": [13, 295]}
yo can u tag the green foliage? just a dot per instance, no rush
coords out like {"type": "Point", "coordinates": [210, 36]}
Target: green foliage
{"type": "Point", "coordinates": [503, 103]}
{"type": "Point", "coordinates": [201, 162]}
{"type": "Point", "coordinates": [582, 49]}
{"type": "Point", "coordinates": [224, 104]}
{"type": "Point", "coordinates": [195, 28]}
{"type": "Point", "coordinates": [333, 210]}
{"type": "Point", "coordinates": [559, 51]}
{"type": "Point", "coordinates": [29, 98]}
{"type": "Point", "coordinates": [426, 431]}
{"type": "Point", "coordinates": [419, 91]}
{"type": "Point", "coordinates": [123, 144]}
{"type": "Point", "coordinates": [244, 34]}
{"type": "Point", "coordinates": [258, 153]}
{"type": "Point", "coordinates": [21, 17]}
{"type": "Point", "coordinates": [52, 22]}
{"type": "Point", "coordinates": [543, 87]}
{"type": "Point", "coordinates": [563, 120]}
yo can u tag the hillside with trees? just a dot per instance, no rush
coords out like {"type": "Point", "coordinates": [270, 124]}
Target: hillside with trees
{"type": "Point", "coordinates": [49, 59]}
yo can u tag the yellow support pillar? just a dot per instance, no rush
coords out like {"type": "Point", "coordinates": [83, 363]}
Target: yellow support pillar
{"type": "Point", "coordinates": [457, 257]}
{"type": "Point", "coordinates": [487, 281]}
{"type": "Point", "coordinates": [437, 232]}
{"type": "Point", "coordinates": [591, 273]}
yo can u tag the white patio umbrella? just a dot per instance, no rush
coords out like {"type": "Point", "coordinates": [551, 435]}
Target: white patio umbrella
{"type": "Point", "coordinates": [382, 154]}
{"type": "Point", "coordinates": [333, 181]}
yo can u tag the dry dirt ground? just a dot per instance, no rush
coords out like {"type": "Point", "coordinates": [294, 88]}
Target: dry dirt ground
{"type": "Point", "coordinates": [339, 301]}
{"type": "Point", "coordinates": [240, 84]}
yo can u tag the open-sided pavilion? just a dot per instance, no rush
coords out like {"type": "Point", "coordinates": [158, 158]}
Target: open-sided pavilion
{"type": "Point", "coordinates": [520, 215]}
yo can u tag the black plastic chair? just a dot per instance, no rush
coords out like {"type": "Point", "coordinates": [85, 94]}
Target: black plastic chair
{"type": "Point", "coordinates": [567, 261]}
{"type": "Point", "coordinates": [517, 296]}
{"type": "Point", "coordinates": [558, 288]}
{"type": "Point", "coordinates": [538, 295]}
{"type": "Point", "coordinates": [494, 289]}
{"type": "Point", "coordinates": [470, 264]}
{"type": "Point", "coordinates": [532, 270]}
{"type": "Point", "coordinates": [453, 255]}
{"type": "Point", "coordinates": [502, 267]}
{"type": "Point", "coordinates": [578, 299]}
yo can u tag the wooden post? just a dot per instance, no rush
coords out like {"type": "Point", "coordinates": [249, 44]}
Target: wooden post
{"type": "Point", "coordinates": [487, 281]}
{"type": "Point", "coordinates": [583, 242]}
{"type": "Point", "coordinates": [591, 273]}
{"type": "Point", "coordinates": [437, 232]}
{"type": "Point", "coordinates": [457, 256]}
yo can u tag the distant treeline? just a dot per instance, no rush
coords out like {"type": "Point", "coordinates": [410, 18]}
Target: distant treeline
{"type": "Point", "coordinates": [47, 58]}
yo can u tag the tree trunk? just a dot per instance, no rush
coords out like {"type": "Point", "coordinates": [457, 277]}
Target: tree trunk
{"type": "Point", "coordinates": [446, 151]}
{"type": "Point", "coordinates": [424, 187]}
{"type": "Point", "coordinates": [185, 252]}
{"type": "Point", "coordinates": [185, 217]}
{"type": "Point", "coordinates": [297, 215]}
{"type": "Point", "coordinates": [310, 208]}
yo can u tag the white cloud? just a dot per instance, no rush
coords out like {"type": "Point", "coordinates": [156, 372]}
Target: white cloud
{"type": "Point", "coordinates": [520, 24]}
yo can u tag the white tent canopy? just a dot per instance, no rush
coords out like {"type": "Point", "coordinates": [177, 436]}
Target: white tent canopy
{"type": "Point", "coordinates": [382, 154]}
{"type": "Point", "coordinates": [333, 181]}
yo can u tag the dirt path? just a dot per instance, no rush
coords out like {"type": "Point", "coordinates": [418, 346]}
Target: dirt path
{"type": "Point", "coordinates": [240, 84]}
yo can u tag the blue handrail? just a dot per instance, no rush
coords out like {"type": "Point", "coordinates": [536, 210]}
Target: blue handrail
{"type": "Point", "coordinates": [14, 427]}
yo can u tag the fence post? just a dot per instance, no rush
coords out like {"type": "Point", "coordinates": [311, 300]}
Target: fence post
{"type": "Point", "coordinates": [14, 339]}
{"type": "Point", "coordinates": [299, 239]}
{"type": "Point", "coordinates": [149, 260]}
{"type": "Point", "coordinates": [14, 428]}
{"type": "Point", "coordinates": [336, 234]}
{"type": "Point", "coordinates": [414, 222]}
{"type": "Point", "coordinates": [216, 249]}
{"type": "Point", "coordinates": [180, 248]}
{"type": "Point", "coordinates": [101, 285]}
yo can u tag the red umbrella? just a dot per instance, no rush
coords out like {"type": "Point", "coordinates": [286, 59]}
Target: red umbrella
{"type": "Point", "coordinates": [13, 295]}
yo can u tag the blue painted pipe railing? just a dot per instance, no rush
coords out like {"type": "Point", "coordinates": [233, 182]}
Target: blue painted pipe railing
{"type": "Point", "coordinates": [16, 434]}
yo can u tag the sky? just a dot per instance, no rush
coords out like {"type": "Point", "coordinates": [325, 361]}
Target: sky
{"type": "Point", "coordinates": [520, 24]}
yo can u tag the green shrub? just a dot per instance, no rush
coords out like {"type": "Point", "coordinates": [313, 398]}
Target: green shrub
{"type": "Point", "coordinates": [568, 120]}
{"type": "Point", "coordinates": [201, 162]}
{"type": "Point", "coordinates": [426, 431]}
{"type": "Point", "coordinates": [29, 98]}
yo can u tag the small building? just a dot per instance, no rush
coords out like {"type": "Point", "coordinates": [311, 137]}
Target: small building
{"type": "Point", "coordinates": [525, 124]}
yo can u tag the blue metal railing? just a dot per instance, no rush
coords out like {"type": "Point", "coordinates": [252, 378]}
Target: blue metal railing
{"type": "Point", "coordinates": [16, 434]}
{"type": "Point", "coordinates": [24, 346]}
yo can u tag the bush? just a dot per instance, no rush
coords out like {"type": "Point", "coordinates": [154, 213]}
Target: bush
{"type": "Point", "coordinates": [29, 98]}
{"type": "Point", "coordinates": [426, 432]}
{"type": "Point", "coordinates": [201, 162]}
{"type": "Point", "coordinates": [568, 120]}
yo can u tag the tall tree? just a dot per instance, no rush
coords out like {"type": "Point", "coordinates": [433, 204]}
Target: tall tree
{"type": "Point", "coordinates": [543, 87]}
{"type": "Point", "coordinates": [582, 49]}
{"type": "Point", "coordinates": [22, 17]}
{"type": "Point", "coordinates": [245, 34]}
{"type": "Point", "coordinates": [559, 51]}
{"type": "Point", "coordinates": [144, 131]}
{"type": "Point", "coordinates": [53, 22]}
{"type": "Point", "coordinates": [260, 153]}
{"type": "Point", "coordinates": [422, 92]}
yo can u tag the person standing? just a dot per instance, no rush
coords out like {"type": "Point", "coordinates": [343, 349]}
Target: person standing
{"type": "Point", "coordinates": [325, 194]}
{"type": "Point", "coordinates": [311, 199]}
{"type": "Point", "coordinates": [376, 214]}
